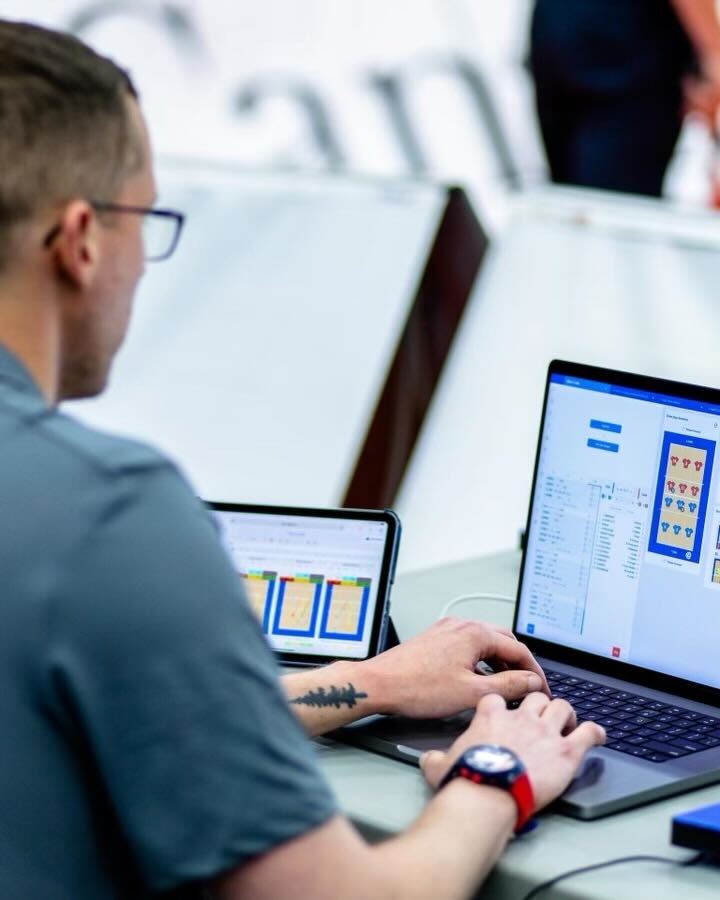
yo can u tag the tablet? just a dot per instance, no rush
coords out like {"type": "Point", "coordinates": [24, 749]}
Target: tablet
{"type": "Point", "coordinates": [318, 580]}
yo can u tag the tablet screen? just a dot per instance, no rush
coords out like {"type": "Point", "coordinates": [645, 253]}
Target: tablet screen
{"type": "Point", "coordinates": [315, 582]}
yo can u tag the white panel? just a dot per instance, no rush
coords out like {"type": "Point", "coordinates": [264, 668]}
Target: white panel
{"type": "Point", "coordinates": [257, 353]}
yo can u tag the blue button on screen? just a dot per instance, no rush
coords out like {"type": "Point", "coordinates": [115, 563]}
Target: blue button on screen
{"type": "Point", "coordinates": [605, 426]}
{"type": "Point", "coordinates": [603, 445]}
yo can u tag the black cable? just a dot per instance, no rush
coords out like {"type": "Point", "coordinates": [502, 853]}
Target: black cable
{"type": "Point", "coordinates": [611, 862]}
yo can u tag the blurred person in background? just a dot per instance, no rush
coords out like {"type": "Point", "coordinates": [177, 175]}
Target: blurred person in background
{"type": "Point", "coordinates": [613, 80]}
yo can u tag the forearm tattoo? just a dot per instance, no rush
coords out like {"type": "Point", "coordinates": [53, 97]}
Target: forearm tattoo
{"type": "Point", "coordinates": [333, 696]}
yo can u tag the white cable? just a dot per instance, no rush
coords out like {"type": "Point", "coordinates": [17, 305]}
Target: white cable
{"type": "Point", "coordinates": [464, 598]}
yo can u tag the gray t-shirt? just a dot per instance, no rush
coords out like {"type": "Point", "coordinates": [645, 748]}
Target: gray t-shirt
{"type": "Point", "coordinates": [145, 742]}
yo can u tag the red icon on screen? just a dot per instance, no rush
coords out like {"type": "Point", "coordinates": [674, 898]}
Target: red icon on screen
{"type": "Point", "coordinates": [674, 460]}
{"type": "Point", "coordinates": [698, 465]}
{"type": "Point", "coordinates": [686, 462]}
{"type": "Point", "coordinates": [683, 488]}
{"type": "Point", "coordinates": [616, 652]}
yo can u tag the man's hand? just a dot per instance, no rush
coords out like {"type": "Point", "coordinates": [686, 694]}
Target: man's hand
{"type": "Point", "coordinates": [429, 676]}
{"type": "Point", "coordinates": [434, 674]}
{"type": "Point", "coordinates": [541, 731]}
{"type": "Point", "coordinates": [702, 93]}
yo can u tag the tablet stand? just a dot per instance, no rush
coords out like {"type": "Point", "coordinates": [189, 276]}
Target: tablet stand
{"type": "Point", "coordinates": [391, 637]}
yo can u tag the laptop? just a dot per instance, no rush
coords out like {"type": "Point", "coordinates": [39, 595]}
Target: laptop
{"type": "Point", "coordinates": [619, 590]}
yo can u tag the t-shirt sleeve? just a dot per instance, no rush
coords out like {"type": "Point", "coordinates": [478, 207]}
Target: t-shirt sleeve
{"type": "Point", "coordinates": [165, 676]}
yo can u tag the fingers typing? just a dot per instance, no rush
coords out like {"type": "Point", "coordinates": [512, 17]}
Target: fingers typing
{"type": "Point", "coordinates": [561, 714]}
{"type": "Point", "coordinates": [512, 684]}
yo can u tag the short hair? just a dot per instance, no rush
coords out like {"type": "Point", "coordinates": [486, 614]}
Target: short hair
{"type": "Point", "coordinates": [65, 125]}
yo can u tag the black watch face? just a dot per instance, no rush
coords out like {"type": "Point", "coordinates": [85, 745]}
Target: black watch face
{"type": "Point", "coordinates": [487, 758]}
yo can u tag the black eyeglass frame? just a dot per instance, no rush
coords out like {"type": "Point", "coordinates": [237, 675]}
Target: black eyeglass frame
{"type": "Point", "coordinates": [101, 206]}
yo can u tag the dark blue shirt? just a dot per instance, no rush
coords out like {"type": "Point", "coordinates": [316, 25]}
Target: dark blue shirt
{"type": "Point", "coordinates": [610, 47]}
{"type": "Point", "coordinates": [145, 743]}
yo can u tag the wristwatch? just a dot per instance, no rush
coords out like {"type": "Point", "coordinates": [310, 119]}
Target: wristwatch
{"type": "Point", "coordinates": [498, 767]}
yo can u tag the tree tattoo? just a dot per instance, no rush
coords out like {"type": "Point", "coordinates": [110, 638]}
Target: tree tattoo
{"type": "Point", "coordinates": [337, 697]}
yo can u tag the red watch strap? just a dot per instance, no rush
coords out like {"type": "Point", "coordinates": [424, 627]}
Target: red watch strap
{"type": "Point", "coordinates": [522, 792]}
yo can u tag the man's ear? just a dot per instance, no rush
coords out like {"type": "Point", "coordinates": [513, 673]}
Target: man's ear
{"type": "Point", "coordinates": [76, 248]}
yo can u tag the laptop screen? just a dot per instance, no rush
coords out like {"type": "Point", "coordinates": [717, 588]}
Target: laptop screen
{"type": "Point", "coordinates": [312, 581]}
{"type": "Point", "coordinates": [623, 544]}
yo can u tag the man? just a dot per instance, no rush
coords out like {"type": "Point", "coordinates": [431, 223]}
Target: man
{"type": "Point", "coordinates": [147, 746]}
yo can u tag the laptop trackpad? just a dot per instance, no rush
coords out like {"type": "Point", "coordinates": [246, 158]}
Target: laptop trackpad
{"type": "Point", "coordinates": [606, 780]}
{"type": "Point", "coordinates": [405, 737]}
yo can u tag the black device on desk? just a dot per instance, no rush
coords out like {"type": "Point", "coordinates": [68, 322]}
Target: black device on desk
{"type": "Point", "coordinates": [619, 587]}
{"type": "Point", "coordinates": [318, 580]}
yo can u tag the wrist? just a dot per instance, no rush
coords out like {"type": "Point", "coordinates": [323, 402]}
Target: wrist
{"type": "Point", "coordinates": [386, 685]}
{"type": "Point", "coordinates": [362, 679]}
{"type": "Point", "coordinates": [481, 801]}
{"type": "Point", "coordinates": [499, 767]}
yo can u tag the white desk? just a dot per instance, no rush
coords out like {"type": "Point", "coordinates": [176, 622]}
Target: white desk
{"type": "Point", "coordinates": [382, 796]}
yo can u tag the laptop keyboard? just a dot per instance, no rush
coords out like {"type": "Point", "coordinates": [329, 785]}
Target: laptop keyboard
{"type": "Point", "coordinates": [637, 725]}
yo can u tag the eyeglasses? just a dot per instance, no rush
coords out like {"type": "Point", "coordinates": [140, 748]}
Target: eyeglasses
{"type": "Point", "coordinates": [161, 228]}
